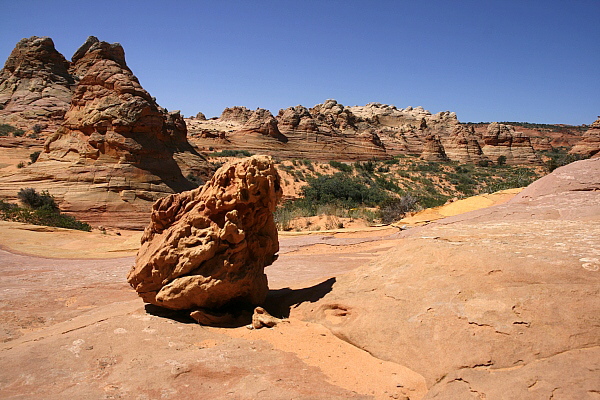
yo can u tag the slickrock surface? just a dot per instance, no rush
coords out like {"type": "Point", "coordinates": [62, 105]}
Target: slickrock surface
{"type": "Point", "coordinates": [589, 145]}
{"type": "Point", "coordinates": [35, 86]}
{"type": "Point", "coordinates": [208, 247]}
{"type": "Point", "coordinates": [497, 303]}
{"type": "Point", "coordinates": [116, 152]}
{"type": "Point", "coordinates": [75, 328]}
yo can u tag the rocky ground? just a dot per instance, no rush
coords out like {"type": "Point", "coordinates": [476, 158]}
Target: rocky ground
{"type": "Point", "coordinates": [497, 303]}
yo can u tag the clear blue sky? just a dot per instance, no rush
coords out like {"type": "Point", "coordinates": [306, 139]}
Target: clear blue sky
{"type": "Point", "coordinates": [535, 61]}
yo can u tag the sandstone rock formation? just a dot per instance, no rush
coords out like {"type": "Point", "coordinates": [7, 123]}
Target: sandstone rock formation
{"type": "Point", "coordinates": [463, 146]}
{"type": "Point", "coordinates": [589, 145]}
{"type": "Point", "coordinates": [496, 303]}
{"type": "Point", "coordinates": [503, 140]}
{"type": "Point", "coordinates": [433, 149]}
{"type": "Point", "coordinates": [326, 132]}
{"type": "Point", "coordinates": [35, 86]}
{"type": "Point", "coordinates": [262, 122]}
{"type": "Point", "coordinates": [117, 151]}
{"type": "Point", "coordinates": [208, 248]}
{"type": "Point", "coordinates": [236, 114]}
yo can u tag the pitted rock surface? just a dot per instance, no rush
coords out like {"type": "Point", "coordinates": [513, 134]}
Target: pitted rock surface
{"type": "Point", "coordinates": [207, 248]}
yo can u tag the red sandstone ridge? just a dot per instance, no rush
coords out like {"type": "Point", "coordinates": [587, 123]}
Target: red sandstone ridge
{"type": "Point", "coordinates": [332, 131]}
{"type": "Point", "coordinates": [207, 248]}
{"type": "Point", "coordinates": [116, 151]}
{"type": "Point", "coordinates": [35, 86]}
{"type": "Point", "coordinates": [589, 145]}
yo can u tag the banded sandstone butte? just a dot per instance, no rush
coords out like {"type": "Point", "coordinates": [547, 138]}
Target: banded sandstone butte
{"type": "Point", "coordinates": [117, 151]}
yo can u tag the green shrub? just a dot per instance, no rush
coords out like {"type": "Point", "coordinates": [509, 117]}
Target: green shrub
{"type": "Point", "coordinates": [342, 189]}
{"type": "Point", "coordinates": [32, 199]}
{"type": "Point", "coordinates": [395, 209]}
{"type": "Point", "coordinates": [501, 160]}
{"type": "Point", "coordinates": [559, 156]}
{"type": "Point", "coordinates": [42, 210]}
{"type": "Point", "coordinates": [231, 153]}
{"type": "Point", "coordinates": [34, 156]}
{"type": "Point", "coordinates": [341, 166]}
{"type": "Point", "coordinates": [195, 180]}
{"type": "Point", "coordinates": [6, 129]}
{"type": "Point", "coordinates": [367, 167]}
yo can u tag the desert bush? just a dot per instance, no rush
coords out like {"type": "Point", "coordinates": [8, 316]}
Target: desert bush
{"type": "Point", "coordinates": [37, 128]}
{"type": "Point", "coordinates": [32, 199]}
{"type": "Point", "coordinates": [395, 209]}
{"type": "Point", "coordinates": [341, 166]}
{"type": "Point", "coordinates": [427, 167]}
{"type": "Point", "coordinates": [559, 156]}
{"type": "Point", "coordinates": [34, 156]}
{"type": "Point", "coordinates": [367, 167]}
{"type": "Point", "coordinates": [45, 213]}
{"type": "Point", "coordinates": [231, 153]}
{"type": "Point", "coordinates": [343, 190]}
{"type": "Point", "coordinates": [501, 160]}
{"type": "Point", "coordinates": [21, 164]}
{"type": "Point", "coordinates": [6, 129]}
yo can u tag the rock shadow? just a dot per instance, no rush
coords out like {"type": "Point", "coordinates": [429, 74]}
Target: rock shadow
{"type": "Point", "coordinates": [279, 302]}
{"type": "Point", "coordinates": [182, 316]}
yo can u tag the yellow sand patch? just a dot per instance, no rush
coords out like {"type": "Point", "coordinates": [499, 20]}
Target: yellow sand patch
{"type": "Point", "coordinates": [460, 207]}
{"type": "Point", "coordinates": [53, 242]}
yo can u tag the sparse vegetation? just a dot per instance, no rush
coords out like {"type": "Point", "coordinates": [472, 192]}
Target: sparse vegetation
{"type": "Point", "coordinates": [231, 153]}
{"type": "Point", "coordinates": [558, 157]}
{"type": "Point", "coordinates": [39, 209]}
{"type": "Point", "coordinates": [196, 180]}
{"type": "Point", "coordinates": [380, 190]}
{"type": "Point", "coordinates": [341, 166]}
{"type": "Point", "coordinates": [34, 156]}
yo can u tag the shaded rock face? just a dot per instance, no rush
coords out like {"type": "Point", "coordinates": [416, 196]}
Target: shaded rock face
{"type": "Point", "coordinates": [35, 85]}
{"type": "Point", "coordinates": [112, 116]}
{"type": "Point", "coordinates": [208, 248]}
{"type": "Point", "coordinates": [504, 140]}
{"type": "Point", "coordinates": [589, 145]}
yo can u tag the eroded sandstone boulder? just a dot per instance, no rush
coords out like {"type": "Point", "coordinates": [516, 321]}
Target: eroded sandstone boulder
{"type": "Point", "coordinates": [207, 248]}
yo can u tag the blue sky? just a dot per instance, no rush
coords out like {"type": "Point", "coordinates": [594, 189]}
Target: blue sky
{"type": "Point", "coordinates": [534, 61]}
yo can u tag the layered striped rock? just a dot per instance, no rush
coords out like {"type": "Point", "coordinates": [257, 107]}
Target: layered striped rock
{"type": "Point", "coordinates": [589, 145]}
{"type": "Point", "coordinates": [116, 151]}
{"type": "Point", "coordinates": [35, 86]}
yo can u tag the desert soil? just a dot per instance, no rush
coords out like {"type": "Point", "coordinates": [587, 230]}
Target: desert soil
{"type": "Point", "coordinates": [71, 326]}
